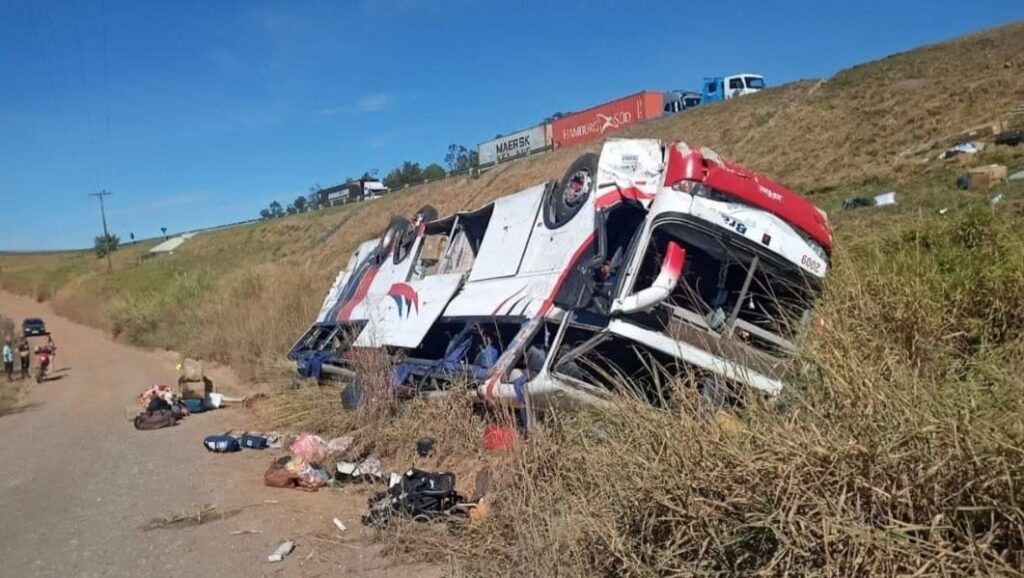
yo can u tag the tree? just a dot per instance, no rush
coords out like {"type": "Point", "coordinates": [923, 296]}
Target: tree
{"type": "Point", "coordinates": [265, 214]}
{"type": "Point", "coordinates": [164, 231]}
{"type": "Point", "coordinates": [407, 174]}
{"type": "Point", "coordinates": [459, 158]}
{"type": "Point", "coordinates": [276, 210]}
{"type": "Point", "coordinates": [370, 174]}
{"type": "Point", "coordinates": [433, 172]}
{"type": "Point", "coordinates": [300, 204]}
{"type": "Point", "coordinates": [313, 202]}
{"type": "Point", "coordinates": [106, 244]}
{"type": "Point", "coordinates": [291, 210]}
{"type": "Point", "coordinates": [132, 237]}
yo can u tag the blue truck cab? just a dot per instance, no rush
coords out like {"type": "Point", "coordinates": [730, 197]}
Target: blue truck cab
{"type": "Point", "coordinates": [716, 88]}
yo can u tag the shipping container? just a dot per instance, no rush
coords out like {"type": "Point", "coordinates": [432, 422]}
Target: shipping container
{"type": "Point", "coordinates": [596, 122]}
{"type": "Point", "coordinates": [514, 145]}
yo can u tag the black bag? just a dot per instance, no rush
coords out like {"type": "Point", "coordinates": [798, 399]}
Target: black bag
{"type": "Point", "coordinates": [419, 495]}
{"type": "Point", "coordinates": [155, 420]}
{"type": "Point", "coordinates": [157, 404]}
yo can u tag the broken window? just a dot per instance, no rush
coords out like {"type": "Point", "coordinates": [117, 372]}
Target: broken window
{"type": "Point", "coordinates": [614, 363]}
{"type": "Point", "coordinates": [732, 288]}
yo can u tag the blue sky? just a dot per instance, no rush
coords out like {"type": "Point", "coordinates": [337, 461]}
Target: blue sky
{"type": "Point", "coordinates": [198, 113]}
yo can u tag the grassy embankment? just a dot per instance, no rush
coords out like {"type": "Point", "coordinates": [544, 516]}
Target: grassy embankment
{"type": "Point", "coordinates": [902, 449]}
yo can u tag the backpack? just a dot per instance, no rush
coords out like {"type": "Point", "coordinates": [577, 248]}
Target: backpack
{"type": "Point", "coordinates": [221, 444]}
{"type": "Point", "coordinates": [160, 418]}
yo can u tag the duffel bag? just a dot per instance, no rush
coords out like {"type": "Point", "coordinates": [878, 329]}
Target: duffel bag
{"type": "Point", "coordinates": [221, 444]}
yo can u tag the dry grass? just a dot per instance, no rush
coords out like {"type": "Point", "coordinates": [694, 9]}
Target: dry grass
{"type": "Point", "coordinates": [899, 452]}
{"type": "Point", "coordinates": [9, 391]}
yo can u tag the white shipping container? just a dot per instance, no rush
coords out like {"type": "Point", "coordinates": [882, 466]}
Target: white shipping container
{"type": "Point", "coordinates": [513, 145]}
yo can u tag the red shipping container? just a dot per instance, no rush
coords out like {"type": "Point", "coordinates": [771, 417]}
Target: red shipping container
{"type": "Point", "coordinates": [595, 122]}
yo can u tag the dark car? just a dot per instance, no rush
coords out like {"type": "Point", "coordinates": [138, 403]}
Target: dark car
{"type": "Point", "coordinates": [33, 326]}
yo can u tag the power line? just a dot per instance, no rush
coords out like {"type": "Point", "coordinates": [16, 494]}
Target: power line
{"type": "Point", "coordinates": [106, 235]}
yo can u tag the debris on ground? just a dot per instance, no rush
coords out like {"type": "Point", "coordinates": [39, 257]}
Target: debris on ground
{"type": "Point", "coordinates": [996, 199]}
{"type": "Point", "coordinates": [309, 447]}
{"type": "Point", "coordinates": [221, 444]}
{"type": "Point", "coordinates": [367, 469]}
{"type": "Point", "coordinates": [340, 444]}
{"type": "Point", "coordinates": [418, 495]}
{"type": "Point", "coordinates": [425, 447]}
{"type": "Point", "coordinates": [253, 442]}
{"type": "Point", "coordinates": [282, 551]}
{"type": "Point", "coordinates": [277, 476]}
{"type": "Point", "coordinates": [161, 408]}
{"type": "Point", "coordinates": [1010, 138]}
{"type": "Point", "coordinates": [499, 438]}
{"type": "Point", "coordinates": [340, 525]}
{"type": "Point", "coordinates": [156, 419]}
{"type": "Point", "coordinates": [294, 472]}
{"type": "Point", "coordinates": [879, 200]}
{"type": "Point", "coordinates": [203, 515]}
{"type": "Point", "coordinates": [885, 199]}
{"type": "Point", "coordinates": [962, 148]}
{"type": "Point", "coordinates": [1017, 176]}
{"type": "Point", "coordinates": [274, 439]}
{"type": "Point", "coordinates": [851, 203]}
{"type": "Point", "coordinates": [986, 177]}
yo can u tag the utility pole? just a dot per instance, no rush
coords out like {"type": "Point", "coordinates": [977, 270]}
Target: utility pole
{"type": "Point", "coordinates": [103, 215]}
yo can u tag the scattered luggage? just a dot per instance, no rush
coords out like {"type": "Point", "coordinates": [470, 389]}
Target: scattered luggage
{"type": "Point", "coordinates": [278, 476]}
{"type": "Point", "coordinates": [221, 444]}
{"type": "Point", "coordinates": [193, 405]}
{"type": "Point", "coordinates": [158, 419]}
{"type": "Point", "coordinates": [986, 177]}
{"type": "Point", "coordinates": [255, 442]}
{"type": "Point", "coordinates": [1010, 138]}
{"type": "Point", "coordinates": [418, 495]}
{"type": "Point", "coordinates": [309, 447]}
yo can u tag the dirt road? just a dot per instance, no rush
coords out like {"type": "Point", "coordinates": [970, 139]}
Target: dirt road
{"type": "Point", "coordinates": [78, 483]}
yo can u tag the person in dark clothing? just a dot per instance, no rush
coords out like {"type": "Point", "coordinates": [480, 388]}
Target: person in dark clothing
{"type": "Point", "coordinates": [24, 353]}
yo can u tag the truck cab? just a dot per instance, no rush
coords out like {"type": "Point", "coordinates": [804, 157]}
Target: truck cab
{"type": "Point", "coordinates": [719, 88]}
{"type": "Point", "coordinates": [649, 260]}
{"type": "Point", "coordinates": [680, 100]}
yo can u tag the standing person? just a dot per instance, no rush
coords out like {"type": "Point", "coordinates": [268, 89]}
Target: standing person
{"type": "Point", "coordinates": [8, 360]}
{"type": "Point", "coordinates": [23, 352]}
{"type": "Point", "coordinates": [50, 345]}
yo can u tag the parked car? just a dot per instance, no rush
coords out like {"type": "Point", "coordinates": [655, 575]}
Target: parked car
{"type": "Point", "coordinates": [33, 327]}
{"type": "Point", "coordinates": [651, 259]}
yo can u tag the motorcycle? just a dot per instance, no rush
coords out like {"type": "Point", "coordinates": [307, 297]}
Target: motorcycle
{"type": "Point", "coordinates": [43, 368]}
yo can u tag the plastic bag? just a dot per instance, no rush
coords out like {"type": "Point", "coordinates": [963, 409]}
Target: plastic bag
{"type": "Point", "coordinates": [309, 447]}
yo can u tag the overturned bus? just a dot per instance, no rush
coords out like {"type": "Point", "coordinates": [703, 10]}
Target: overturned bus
{"type": "Point", "coordinates": [648, 260]}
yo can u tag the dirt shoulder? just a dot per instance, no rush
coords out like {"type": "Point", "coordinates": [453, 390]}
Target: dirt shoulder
{"type": "Point", "coordinates": [79, 483]}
